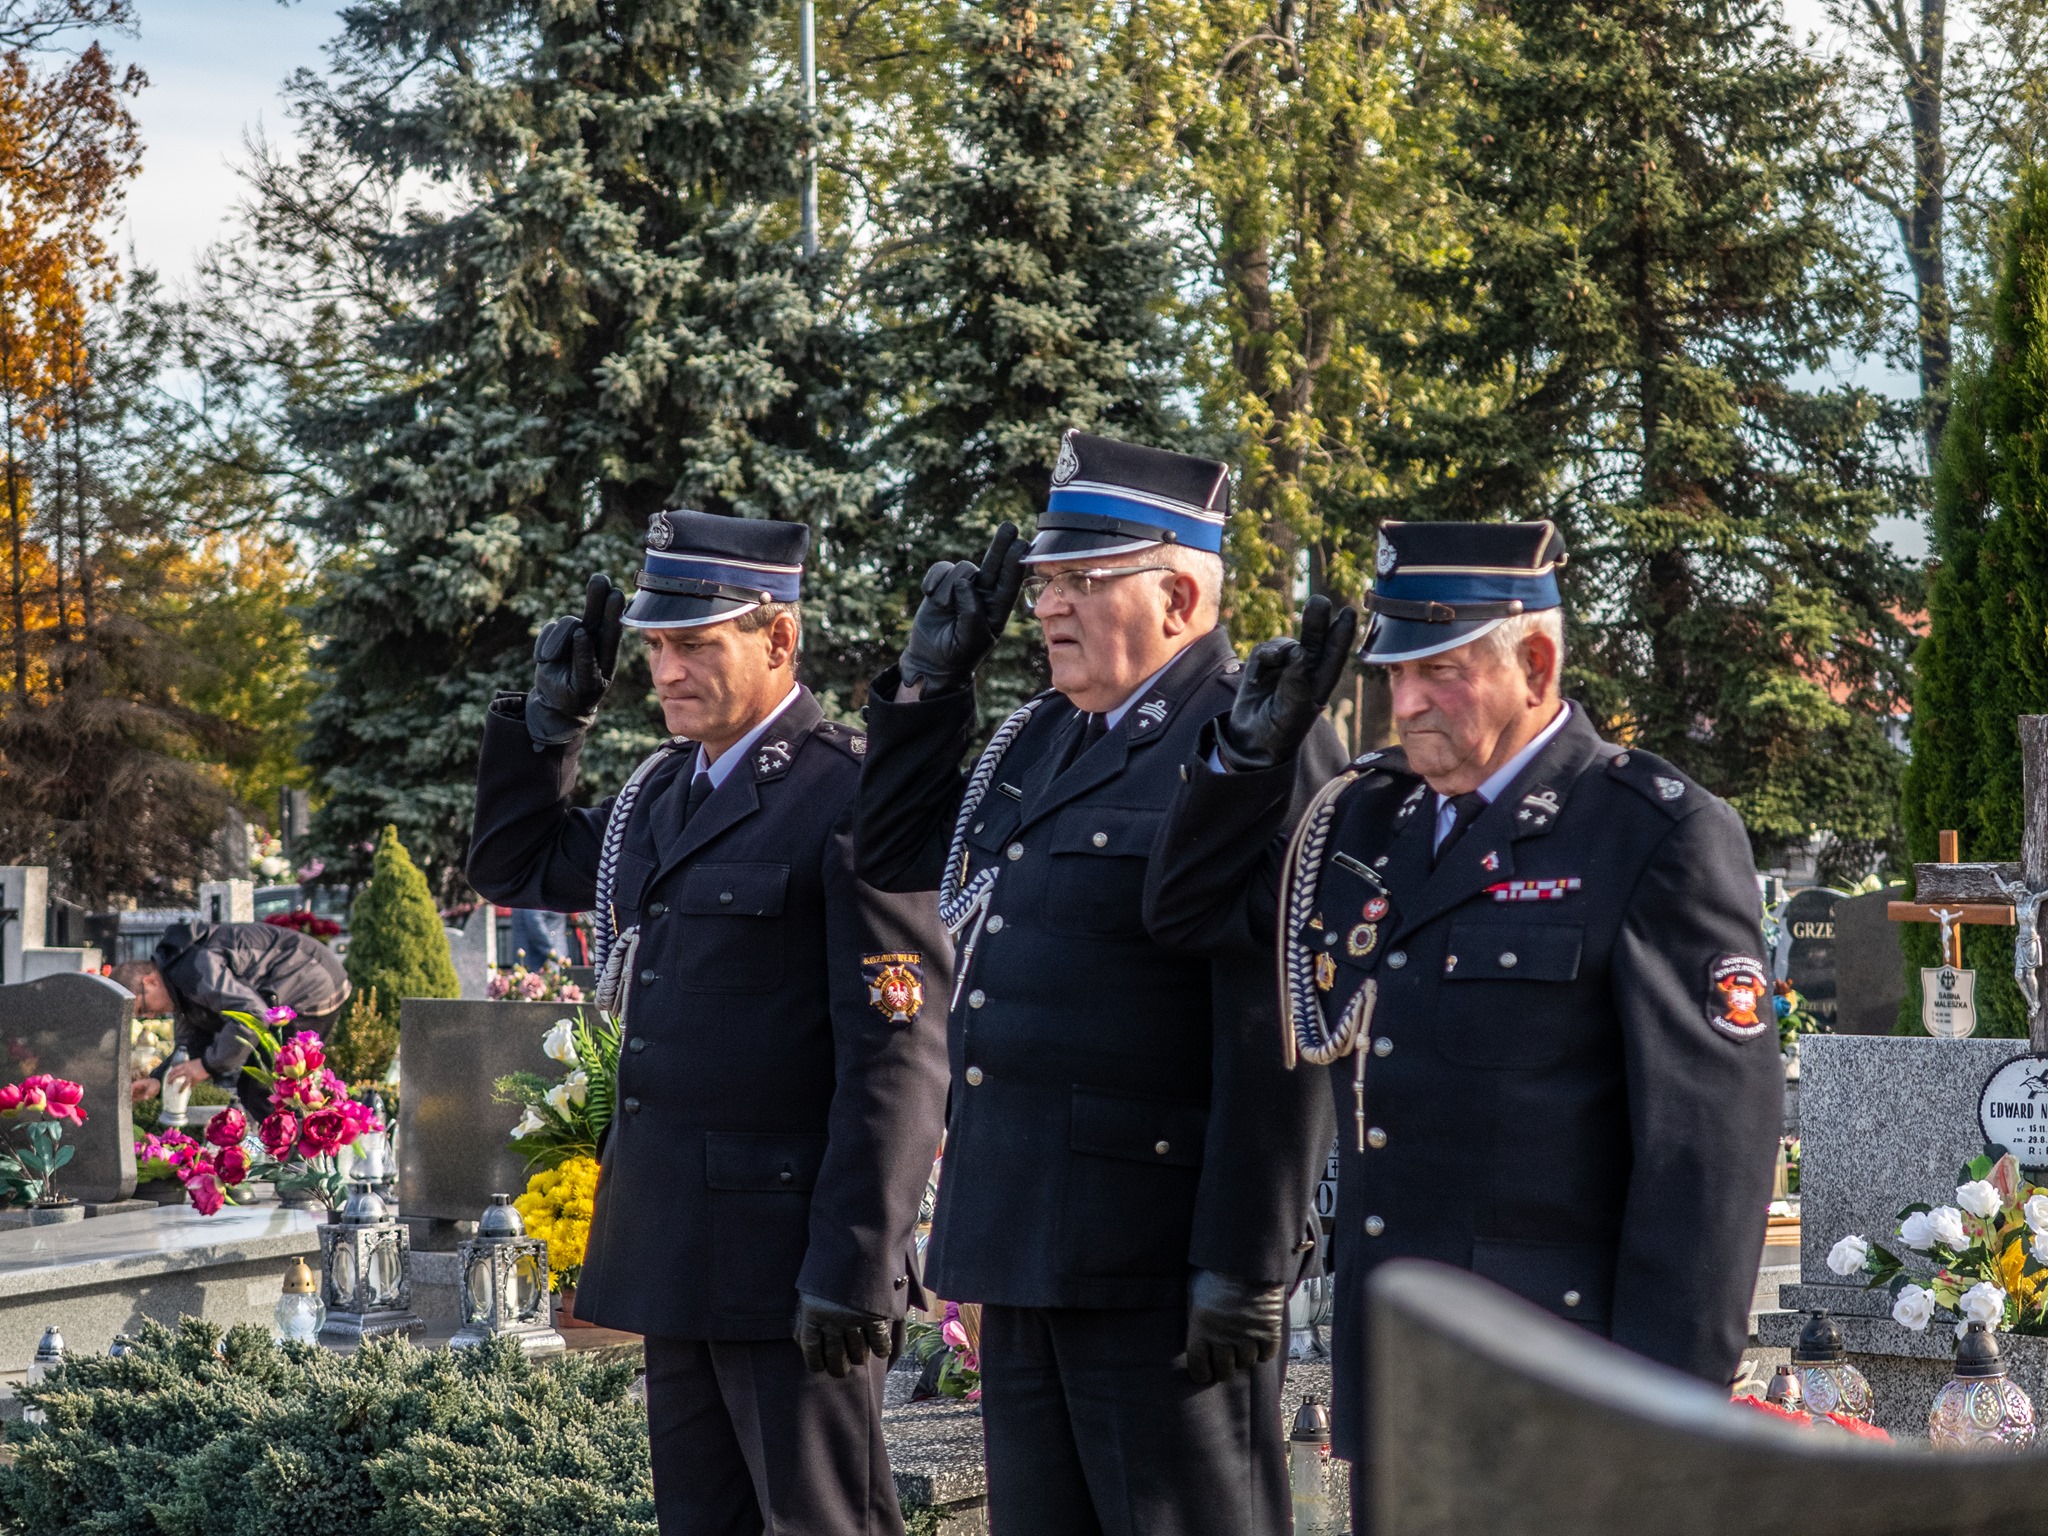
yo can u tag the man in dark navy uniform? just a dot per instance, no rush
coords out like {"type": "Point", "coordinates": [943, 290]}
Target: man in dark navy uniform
{"type": "Point", "coordinates": [1530, 958]}
{"type": "Point", "coordinates": [1128, 1164]}
{"type": "Point", "coordinates": [783, 1072]}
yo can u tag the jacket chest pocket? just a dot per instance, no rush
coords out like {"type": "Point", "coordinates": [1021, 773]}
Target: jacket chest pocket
{"type": "Point", "coordinates": [1507, 999]}
{"type": "Point", "coordinates": [1096, 884]}
{"type": "Point", "coordinates": [732, 939]}
{"type": "Point", "coordinates": [991, 830]}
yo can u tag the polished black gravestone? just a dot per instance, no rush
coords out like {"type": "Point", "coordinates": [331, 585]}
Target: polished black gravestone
{"type": "Point", "coordinates": [454, 1135]}
{"type": "Point", "coordinates": [1491, 1415]}
{"type": "Point", "coordinates": [1870, 965]}
{"type": "Point", "coordinates": [1808, 921]}
{"type": "Point", "coordinates": [76, 1026]}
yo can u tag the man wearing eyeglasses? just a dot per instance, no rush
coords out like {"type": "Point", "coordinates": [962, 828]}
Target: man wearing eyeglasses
{"type": "Point", "coordinates": [1129, 1166]}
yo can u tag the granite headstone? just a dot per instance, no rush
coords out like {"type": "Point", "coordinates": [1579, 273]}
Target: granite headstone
{"type": "Point", "coordinates": [454, 1134]}
{"type": "Point", "coordinates": [474, 949]}
{"type": "Point", "coordinates": [1808, 925]}
{"type": "Point", "coordinates": [1870, 966]}
{"type": "Point", "coordinates": [77, 1027]}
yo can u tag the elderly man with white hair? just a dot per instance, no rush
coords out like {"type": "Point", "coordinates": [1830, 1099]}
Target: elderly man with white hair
{"type": "Point", "coordinates": [1530, 959]}
{"type": "Point", "coordinates": [1129, 1166]}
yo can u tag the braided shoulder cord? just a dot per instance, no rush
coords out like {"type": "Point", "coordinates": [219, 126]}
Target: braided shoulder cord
{"type": "Point", "coordinates": [957, 907]}
{"type": "Point", "coordinates": [1307, 1035]}
{"type": "Point", "coordinates": [615, 839]}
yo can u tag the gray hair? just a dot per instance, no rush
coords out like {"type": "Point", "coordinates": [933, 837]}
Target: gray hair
{"type": "Point", "coordinates": [1504, 641]}
{"type": "Point", "coordinates": [1205, 570]}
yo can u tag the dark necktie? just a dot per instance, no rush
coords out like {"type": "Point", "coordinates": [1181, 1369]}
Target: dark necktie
{"type": "Point", "coordinates": [1466, 808]}
{"type": "Point", "coordinates": [700, 791]}
{"type": "Point", "coordinates": [1093, 728]}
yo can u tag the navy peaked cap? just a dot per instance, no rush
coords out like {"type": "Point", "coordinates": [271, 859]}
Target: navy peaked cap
{"type": "Point", "coordinates": [1110, 497]}
{"type": "Point", "coordinates": [1442, 585]}
{"type": "Point", "coordinates": [701, 568]}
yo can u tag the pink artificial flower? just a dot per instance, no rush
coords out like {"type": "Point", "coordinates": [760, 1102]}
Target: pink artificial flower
{"type": "Point", "coordinates": [570, 993]}
{"type": "Point", "coordinates": [300, 1056]}
{"type": "Point", "coordinates": [326, 1130]}
{"type": "Point", "coordinates": [531, 987]}
{"type": "Point", "coordinates": [10, 1098]}
{"type": "Point", "coordinates": [279, 1015]}
{"type": "Point", "coordinates": [233, 1165]}
{"type": "Point", "coordinates": [280, 1129]}
{"type": "Point", "coordinates": [362, 1120]}
{"type": "Point", "coordinates": [227, 1128]}
{"type": "Point", "coordinates": [35, 1091]}
{"type": "Point", "coordinates": [497, 988]}
{"type": "Point", "coordinates": [203, 1185]}
{"type": "Point", "coordinates": [65, 1100]}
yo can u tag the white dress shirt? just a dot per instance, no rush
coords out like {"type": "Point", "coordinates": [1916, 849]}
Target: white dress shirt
{"type": "Point", "coordinates": [719, 768]}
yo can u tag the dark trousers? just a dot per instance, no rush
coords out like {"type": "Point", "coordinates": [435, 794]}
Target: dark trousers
{"type": "Point", "coordinates": [747, 1442]}
{"type": "Point", "coordinates": [1093, 1428]}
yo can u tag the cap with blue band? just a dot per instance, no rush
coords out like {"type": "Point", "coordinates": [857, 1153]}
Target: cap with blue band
{"type": "Point", "coordinates": [1443, 585]}
{"type": "Point", "coordinates": [700, 568]}
{"type": "Point", "coordinates": [1110, 498]}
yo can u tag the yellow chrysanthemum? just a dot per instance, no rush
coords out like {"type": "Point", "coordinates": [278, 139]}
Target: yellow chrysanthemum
{"type": "Point", "coordinates": [557, 1208]}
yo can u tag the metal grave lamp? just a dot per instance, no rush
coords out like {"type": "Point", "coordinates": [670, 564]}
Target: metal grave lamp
{"type": "Point", "coordinates": [1827, 1381]}
{"type": "Point", "coordinates": [366, 1271]}
{"type": "Point", "coordinates": [300, 1312]}
{"type": "Point", "coordinates": [1978, 1408]}
{"type": "Point", "coordinates": [505, 1283]}
{"type": "Point", "coordinates": [49, 1356]}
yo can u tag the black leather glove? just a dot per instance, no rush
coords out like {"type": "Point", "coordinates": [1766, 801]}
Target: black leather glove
{"type": "Point", "coordinates": [965, 608]}
{"type": "Point", "coordinates": [1285, 685]}
{"type": "Point", "coordinates": [573, 662]}
{"type": "Point", "coordinates": [1232, 1324]}
{"type": "Point", "coordinates": [834, 1339]}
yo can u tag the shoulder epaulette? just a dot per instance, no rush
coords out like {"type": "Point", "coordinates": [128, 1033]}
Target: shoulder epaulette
{"type": "Point", "coordinates": [1664, 786]}
{"type": "Point", "coordinates": [848, 740]}
{"type": "Point", "coordinates": [1392, 760]}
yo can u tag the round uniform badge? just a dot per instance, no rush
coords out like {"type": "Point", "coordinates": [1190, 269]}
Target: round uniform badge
{"type": "Point", "coordinates": [1362, 940]}
{"type": "Point", "coordinates": [1375, 909]}
{"type": "Point", "coordinates": [659, 534]}
{"type": "Point", "coordinates": [1738, 998]}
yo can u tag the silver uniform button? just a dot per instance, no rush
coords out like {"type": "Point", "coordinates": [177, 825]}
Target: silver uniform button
{"type": "Point", "coordinates": [1162, 1148]}
{"type": "Point", "coordinates": [974, 1077]}
{"type": "Point", "coordinates": [976, 998]}
{"type": "Point", "coordinates": [1507, 960]}
{"type": "Point", "coordinates": [1015, 851]}
{"type": "Point", "coordinates": [995, 923]}
{"type": "Point", "coordinates": [1100, 839]}
{"type": "Point", "coordinates": [1383, 1046]}
{"type": "Point", "coordinates": [1374, 1226]}
{"type": "Point", "coordinates": [1621, 759]}
{"type": "Point", "coordinates": [1329, 939]}
{"type": "Point", "coordinates": [1571, 1298]}
{"type": "Point", "coordinates": [1375, 1138]}
{"type": "Point", "coordinates": [1397, 959]}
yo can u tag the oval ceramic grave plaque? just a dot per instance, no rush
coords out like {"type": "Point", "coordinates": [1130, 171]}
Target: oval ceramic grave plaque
{"type": "Point", "coordinates": [2013, 1109]}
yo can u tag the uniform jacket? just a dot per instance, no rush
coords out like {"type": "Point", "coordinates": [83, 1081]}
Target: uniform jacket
{"type": "Point", "coordinates": [1562, 1112]}
{"type": "Point", "coordinates": [246, 968]}
{"type": "Point", "coordinates": [777, 1113]}
{"type": "Point", "coordinates": [1119, 1111]}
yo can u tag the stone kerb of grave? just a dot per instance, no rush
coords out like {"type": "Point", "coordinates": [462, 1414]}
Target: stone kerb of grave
{"type": "Point", "coordinates": [1492, 1415]}
{"type": "Point", "coordinates": [77, 1027]}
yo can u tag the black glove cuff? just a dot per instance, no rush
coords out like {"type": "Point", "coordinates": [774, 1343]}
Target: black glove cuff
{"type": "Point", "coordinates": [1235, 758]}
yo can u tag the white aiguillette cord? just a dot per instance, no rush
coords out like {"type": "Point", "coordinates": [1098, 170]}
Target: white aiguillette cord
{"type": "Point", "coordinates": [959, 906]}
{"type": "Point", "coordinates": [1300, 1005]}
{"type": "Point", "coordinates": [611, 979]}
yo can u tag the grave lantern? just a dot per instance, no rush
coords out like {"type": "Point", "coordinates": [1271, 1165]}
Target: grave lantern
{"type": "Point", "coordinates": [1978, 1407]}
{"type": "Point", "coordinates": [505, 1283]}
{"type": "Point", "coordinates": [301, 1314]}
{"type": "Point", "coordinates": [1827, 1381]}
{"type": "Point", "coordinates": [365, 1270]}
{"type": "Point", "coordinates": [1308, 1467]}
{"type": "Point", "coordinates": [1785, 1391]}
{"type": "Point", "coordinates": [49, 1355]}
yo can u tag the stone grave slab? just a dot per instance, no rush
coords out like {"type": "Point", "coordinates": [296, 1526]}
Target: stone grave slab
{"type": "Point", "coordinates": [1808, 921]}
{"type": "Point", "coordinates": [77, 1027]}
{"type": "Point", "coordinates": [1870, 965]}
{"type": "Point", "coordinates": [453, 1148]}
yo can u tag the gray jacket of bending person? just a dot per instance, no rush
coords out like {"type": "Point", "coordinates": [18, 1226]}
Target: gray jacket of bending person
{"type": "Point", "coordinates": [243, 968]}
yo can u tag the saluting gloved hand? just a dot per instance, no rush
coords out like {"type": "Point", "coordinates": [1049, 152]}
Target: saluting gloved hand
{"type": "Point", "coordinates": [573, 662]}
{"type": "Point", "coordinates": [1285, 685]}
{"type": "Point", "coordinates": [834, 1339]}
{"type": "Point", "coordinates": [1232, 1325]}
{"type": "Point", "coordinates": [966, 607]}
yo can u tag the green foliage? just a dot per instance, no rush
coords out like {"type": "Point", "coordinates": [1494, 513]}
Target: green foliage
{"type": "Point", "coordinates": [567, 1119]}
{"type": "Point", "coordinates": [397, 947]}
{"type": "Point", "coordinates": [198, 1434]}
{"type": "Point", "coordinates": [364, 1040]}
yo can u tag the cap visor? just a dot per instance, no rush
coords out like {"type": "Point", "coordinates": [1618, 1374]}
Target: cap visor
{"type": "Point", "coordinates": [1076, 543]}
{"type": "Point", "coordinates": [671, 610]}
{"type": "Point", "coordinates": [1411, 639]}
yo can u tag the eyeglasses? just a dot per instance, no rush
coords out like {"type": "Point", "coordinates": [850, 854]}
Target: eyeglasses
{"type": "Point", "coordinates": [1075, 585]}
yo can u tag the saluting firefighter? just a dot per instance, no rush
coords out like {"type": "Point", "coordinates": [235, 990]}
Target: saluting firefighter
{"type": "Point", "coordinates": [783, 1073]}
{"type": "Point", "coordinates": [1530, 957]}
{"type": "Point", "coordinates": [1129, 1166]}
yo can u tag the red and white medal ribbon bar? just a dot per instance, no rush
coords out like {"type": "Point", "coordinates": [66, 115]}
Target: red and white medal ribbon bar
{"type": "Point", "coordinates": [1533, 890]}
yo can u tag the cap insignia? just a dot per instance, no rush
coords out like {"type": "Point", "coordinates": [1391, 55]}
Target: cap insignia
{"type": "Point", "coordinates": [659, 534]}
{"type": "Point", "coordinates": [1068, 464]}
{"type": "Point", "coordinates": [1386, 557]}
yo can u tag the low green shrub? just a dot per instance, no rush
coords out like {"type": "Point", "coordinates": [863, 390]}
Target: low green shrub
{"type": "Point", "coordinates": [196, 1433]}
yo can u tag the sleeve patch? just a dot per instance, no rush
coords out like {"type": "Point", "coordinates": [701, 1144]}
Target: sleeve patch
{"type": "Point", "coordinates": [1738, 997]}
{"type": "Point", "coordinates": [895, 985]}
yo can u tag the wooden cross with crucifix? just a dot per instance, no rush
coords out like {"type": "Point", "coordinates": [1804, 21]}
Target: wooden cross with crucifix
{"type": "Point", "coordinates": [1953, 893]}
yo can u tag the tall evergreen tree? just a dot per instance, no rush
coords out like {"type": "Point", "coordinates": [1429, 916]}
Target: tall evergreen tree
{"type": "Point", "coordinates": [605, 311]}
{"type": "Point", "coordinates": [1658, 253]}
{"type": "Point", "coordinates": [1033, 296]}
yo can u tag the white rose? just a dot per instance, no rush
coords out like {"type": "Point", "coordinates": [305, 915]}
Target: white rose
{"type": "Point", "coordinates": [2036, 1212]}
{"type": "Point", "coordinates": [1849, 1256]}
{"type": "Point", "coordinates": [1979, 1198]}
{"type": "Point", "coordinates": [560, 1042]}
{"type": "Point", "coordinates": [1945, 1222]}
{"type": "Point", "coordinates": [2040, 1248]}
{"type": "Point", "coordinates": [529, 1122]}
{"type": "Point", "coordinates": [1983, 1303]}
{"type": "Point", "coordinates": [1916, 1231]}
{"type": "Point", "coordinates": [1913, 1307]}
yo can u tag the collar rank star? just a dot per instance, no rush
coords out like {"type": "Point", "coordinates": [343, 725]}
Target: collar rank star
{"type": "Point", "coordinates": [895, 985]}
{"type": "Point", "coordinates": [1538, 809]}
{"type": "Point", "coordinates": [1533, 890]}
{"type": "Point", "coordinates": [773, 755]}
{"type": "Point", "coordinates": [1151, 712]}
{"type": "Point", "coordinates": [1738, 998]}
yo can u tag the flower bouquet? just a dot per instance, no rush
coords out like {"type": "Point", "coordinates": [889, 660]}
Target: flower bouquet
{"type": "Point", "coordinates": [556, 1208]}
{"type": "Point", "coordinates": [954, 1342]}
{"type": "Point", "coordinates": [211, 1169]}
{"type": "Point", "coordinates": [566, 1119]}
{"type": "Point", "coordinates": [31, 1149]}
{"type": "Point", "coordinates": [311, 924]}
{"type": "Point", "coordinates": [312, 1117]}
{"type": "Point", "coordinates": [547, 983]}
{"type": "Point", "coordinates": [1988, 1255]}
